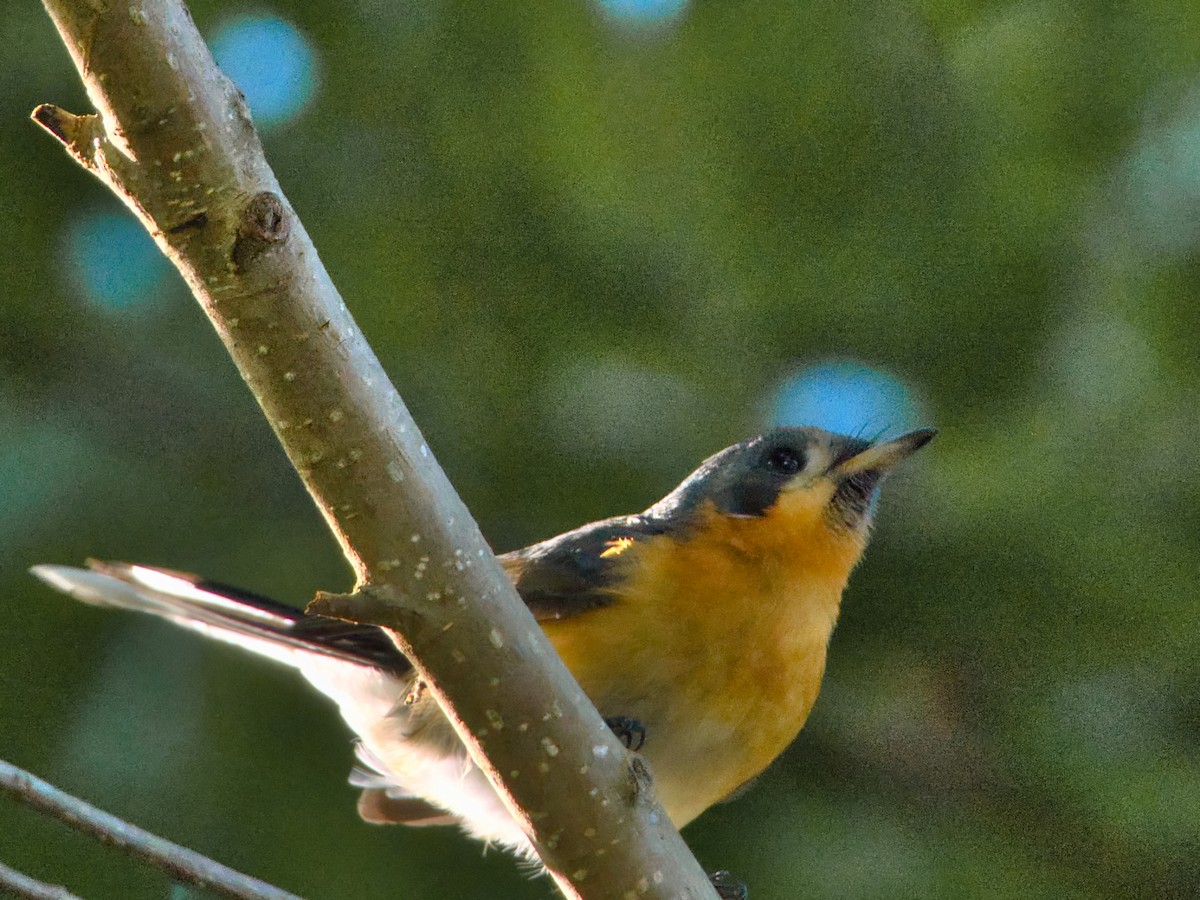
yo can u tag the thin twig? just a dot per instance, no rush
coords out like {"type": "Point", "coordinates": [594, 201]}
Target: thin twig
{"type": "Point", "coordinates": [21, 885]}
{"type": "Point", "coordinates": [183, 865]}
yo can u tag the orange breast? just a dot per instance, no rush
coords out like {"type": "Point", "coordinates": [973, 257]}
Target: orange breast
{"type": "Point", "coordinates": [716, 644]}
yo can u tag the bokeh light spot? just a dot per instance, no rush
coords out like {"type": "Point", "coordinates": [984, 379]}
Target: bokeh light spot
{"type": "Point", "coordinates": [845, 396]}
{"type": "Point", "coordinates": [1163, 182]}
{"type": "Point", "coordinates": [1104, 366]}
{"type": "Point", "coordinates": [615, 409]}
{"type": "Point", "coordinates": [271, 62]}
{"type": "Point", "coordinates": [643, 12]}
{"type": "Point", "coordinates": [158, 676]}
{"type": "Point", "coordinates": [113, 259]}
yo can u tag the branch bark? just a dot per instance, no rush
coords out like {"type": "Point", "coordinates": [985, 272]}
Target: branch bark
{"type": "Point", "coordinates": [174, 140]}
{"type": "Point", "coordinates": [183, 865]}
{"type": "Point", "coordinates": [21, 885]}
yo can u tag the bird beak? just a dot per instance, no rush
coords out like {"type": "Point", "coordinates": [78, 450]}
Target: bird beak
{"type": "Point", "coordinates": [882, 457]}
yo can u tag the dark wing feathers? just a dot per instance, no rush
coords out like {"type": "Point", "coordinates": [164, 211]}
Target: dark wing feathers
{"type": "Point", "coordinates": [364, 642]}
{"type": "Point", "coordinates": [574, 572]}
{"type": "Point", "coordinates": [561, 577]}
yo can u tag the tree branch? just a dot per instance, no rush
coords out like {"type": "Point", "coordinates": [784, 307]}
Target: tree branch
{"type": "Point", "coordinates": [173, 138]}
{"type": "Point", "coordinates": [183, 865]}
{"type": "Point", "coordinates": [21, 885]}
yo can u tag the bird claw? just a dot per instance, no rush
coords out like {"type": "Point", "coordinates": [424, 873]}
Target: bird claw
{"type": "Point", "coordinates": [728, 887]}
{"type": "Point", "coordinates": [629, 732]}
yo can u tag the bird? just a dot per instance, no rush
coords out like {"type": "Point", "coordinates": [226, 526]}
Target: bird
{"type": "Point", "coordinates": [698, 628]}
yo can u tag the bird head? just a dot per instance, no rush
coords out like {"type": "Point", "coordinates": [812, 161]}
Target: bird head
{"type": "Point", "coordinates": [805, 485]}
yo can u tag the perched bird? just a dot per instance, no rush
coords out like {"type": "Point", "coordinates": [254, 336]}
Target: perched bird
{"type": "Point", "coordinates": [698, 628]}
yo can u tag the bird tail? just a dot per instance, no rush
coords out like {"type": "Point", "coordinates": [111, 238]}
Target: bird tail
{"type": "Point", "coordinates": [227, 614]}
{"type": "Point", "coordinates": [356, 666]}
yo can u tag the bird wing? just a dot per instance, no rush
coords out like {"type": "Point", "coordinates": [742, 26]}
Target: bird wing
{"type": "Point", "coordinates": [561, 577]}
{"type": "Point", "coordinates": [575, 572]}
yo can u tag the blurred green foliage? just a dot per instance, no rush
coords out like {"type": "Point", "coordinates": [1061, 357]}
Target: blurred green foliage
{"type": "Point", "coordinates": [999, 202]}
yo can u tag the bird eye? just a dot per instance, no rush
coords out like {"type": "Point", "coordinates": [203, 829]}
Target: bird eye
{"type": "Point", "coordinates": [785, 460]}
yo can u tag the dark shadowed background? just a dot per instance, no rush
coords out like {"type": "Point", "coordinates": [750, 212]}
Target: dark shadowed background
{"type": "Point", "coordinates": [593, 243]}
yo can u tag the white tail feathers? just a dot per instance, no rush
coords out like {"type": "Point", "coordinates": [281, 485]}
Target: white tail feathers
{"type": "Point", "coordinates": [260, 626]}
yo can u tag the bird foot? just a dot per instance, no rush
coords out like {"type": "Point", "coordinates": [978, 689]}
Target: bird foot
{"type": "Point", "coordinates": [728, 887]}
{"type": "Point", "coordinates": [629, 732]}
